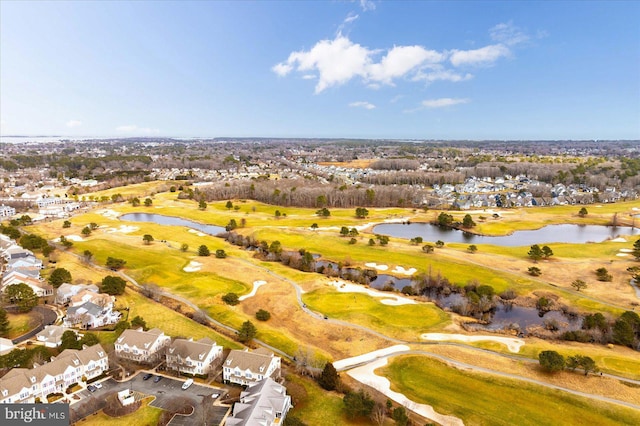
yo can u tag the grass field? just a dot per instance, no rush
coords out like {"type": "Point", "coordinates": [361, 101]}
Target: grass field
{"type": "Point", "coordinates": [472, 397]}
{"type": "Point", "coordinates": [146, 415]}
{"type": "Point", "coordinates": [315, 406]}
{"type": "Point", "coordinates": [20, 324]}
{"type": "Point", "coordinates": [171, 322]}
{"type": "Point", "coordinates": [401, 322]}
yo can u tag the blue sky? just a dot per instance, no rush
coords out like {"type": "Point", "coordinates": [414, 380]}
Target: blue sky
{"type": "Point", "coordinates": [356, 69]}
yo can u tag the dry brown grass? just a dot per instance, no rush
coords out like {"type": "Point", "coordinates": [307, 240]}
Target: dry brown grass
{"type": "Point", "coordinates": [333, 341]}
{"type": "Point", "coordinates": [593, 384]}
{"type": "Point", "coordinates": [361, 163]}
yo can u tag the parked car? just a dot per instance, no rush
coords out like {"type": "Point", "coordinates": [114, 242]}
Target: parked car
{"type": "Point", "coordinates": [97, 385]}
{"type": "Point", "coordinates": [92, 388]}
{"type": "Point", "coordinates": [186, 384]}
{"type": "Point", "coordinates": [157, 379]}
{"type": "Point", "coordinates": [147, 376]}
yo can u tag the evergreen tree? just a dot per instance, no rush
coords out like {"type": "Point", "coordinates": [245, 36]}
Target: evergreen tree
{"type": "Point", "coordinates": [329, 378]}
{"type": "Point", "coordinates": [4, 323]}
{"type": "Point", "coordinates": [247, 332]}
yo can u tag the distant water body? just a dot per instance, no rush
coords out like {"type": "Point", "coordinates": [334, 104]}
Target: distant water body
{"type": "Point", "coordinates": [574, 234]}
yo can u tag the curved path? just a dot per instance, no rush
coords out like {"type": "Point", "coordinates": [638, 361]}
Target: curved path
{"type": "Point", "coordinates": [474, 368]}
{"type": "Point", "coordinates": [316, 315]}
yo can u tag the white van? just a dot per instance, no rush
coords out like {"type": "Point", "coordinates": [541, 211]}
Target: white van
{"type": "Point", "coordinates": [186, 384]}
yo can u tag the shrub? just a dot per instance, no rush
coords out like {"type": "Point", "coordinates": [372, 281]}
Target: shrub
{"type": "Point", "coordinates": [263, 315]}
{"type": "Point", "coordinates": [231, 299]}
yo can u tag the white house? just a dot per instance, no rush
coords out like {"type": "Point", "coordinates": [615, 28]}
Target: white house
{"type": "Point", "coordinates": [51, 336]}
{"type": "Point", "coordinates": [66, 291]}
{"type": "Point", "coordinates": [21, 385]}
{"type": "Point", "coordinates": [265, 403]}
{"type": "Point", "coordinates": [90, 315]}
{"type": "Point", "coordinates": [196, 358]}
{"type": "Point", "coordinates": [244, 367]}
{"type": "Point", "coordinates": [7, 211]}
{"type": "Point", "coordinates": [39, 287]}
{"type": "Point", "coordinates": [142, 346]}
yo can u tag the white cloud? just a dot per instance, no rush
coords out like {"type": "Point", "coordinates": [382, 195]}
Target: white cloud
{"type": "Point", "coordinates": [362, 104]}
{"type": "Point", "coordinates": [396, 98]}
{"type": "Point", "coordinates": [282, 69]}
{"type": "Point", "coordinates": [401, 60]}
{"type": "Point", "coordinates": [309, 77]}
{"type": "Point", "coordinates": [337, 61]}
{"type": "Point", "coordinates": [444, 102]}
{"type": "Point", "coordinates": [367, 5]}
{"type": "Point", "coordinates": [133, 129]}
{"type": "Point", "coordinates": [484, 56]}
{"type": "Point", "coordinates": [439, 73]}
{"type": "Point", "coordinates": [350, 18]}
{"type": "Point", "coordinates": [73, 123]}
{"type": "Point", "coordinates": [507, 33]}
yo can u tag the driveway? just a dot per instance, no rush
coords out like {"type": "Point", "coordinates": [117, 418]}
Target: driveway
{"type": "Point", "coordinates": [168, 393]}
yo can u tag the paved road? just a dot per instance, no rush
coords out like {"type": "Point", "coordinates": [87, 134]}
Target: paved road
{"type": "Point", "coordinates": [474, 368]}
{"type": "Point", "coordinates": [315, 315]}
{"type": "Point", "coordinates": [168, 393]}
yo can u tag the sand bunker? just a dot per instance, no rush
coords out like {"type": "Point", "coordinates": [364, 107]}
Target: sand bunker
{"type": "Point", "coordinates": [109, 213]}
{"type": "Point", "coordinates": [622, 254]}
{"type": "Point", "coordinates": [198, 233]}
{"type": "Point", "coordinates": [347, 363]}
{"type": "Point", "coordinates": [403, 271]}
{"type": "Point", "coordinates": [512, 344]}
{"type": "Point", "coordinates": [256, 285]}
{"type": "Point", "coordinates": [618, 240]}
{"type": "Point", "coordinates": [193, 266]}
{"type": "Point", "coordinates": [376, 266]}
{"type": "Point", "coordinates": [123, 229]}
{"type": "Point", "coordinates": [626, 250]}
{"type": "Point", "coordinates": [70, 238]}
{"type": "Point", "coordinates": [387, 299]}
{"type": "Point", "coordinates": [366, 375]}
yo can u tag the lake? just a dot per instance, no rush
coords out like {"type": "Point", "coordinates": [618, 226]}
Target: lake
{"type": "Point", "coordinates": [575, 234]}
{"type": "Point", "coordinates": [173, 221]}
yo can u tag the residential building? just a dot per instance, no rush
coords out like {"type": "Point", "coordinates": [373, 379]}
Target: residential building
{"type": "Point", "coordinates": [85, 296]}
{"type": "Point", "coordinates": [22, 385]}
{"type": "Point", "coordinates": [7, 211]}
{"type": "Point", "coordinates": [196, 358]}
{"type": "Point", "coordinates": [39, 287]}
{"type": "Point", "coordinates": [90, 315]}
{"type": "Point", "coordinates": [51, 336]}
{"type": "Point", "coordinates": [265, 403]}
{"type": "Point", "coordinates": [243, 367]}
{"type": "Point", "coordinates": [142, 346]}
{"type": "Point", "coordinates": [66, 291]}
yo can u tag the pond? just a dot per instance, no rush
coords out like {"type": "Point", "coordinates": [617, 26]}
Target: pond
{"type": "Point", "coordinates": [173, 221]}
{"type": "Point", "coordinates": [575, 234]}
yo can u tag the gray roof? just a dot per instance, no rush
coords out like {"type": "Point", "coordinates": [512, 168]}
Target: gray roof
{"type": "Point", "coordinates": [189, 349]}
{"type": "Point", "coordinates": [259, 404]}
{"type": "Point", "coordinates": [19, 378]}
{"type": "Point", "coordinates": [52, 333]}
{"type": "Point", "coordinates": [139, 338]}
{"type": "Point", "coordinates": [88, 307]}
{"type": "Point", "coordinates": [257, 361]}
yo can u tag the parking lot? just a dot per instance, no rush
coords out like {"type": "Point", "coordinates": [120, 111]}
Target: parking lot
{"type": "Point", "coordinates": [169, 396]}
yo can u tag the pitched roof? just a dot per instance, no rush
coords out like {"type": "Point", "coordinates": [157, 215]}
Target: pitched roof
{"type": "Point", "coordinates": [52, 332]}
{"type": "Point", "coordinates": [190, 349]}
{"type": "Point", "coordinates": [259, 404]}
{"type": "Point", "coordinates": [19, 378]}
{"type": "Point", "coordinates": [139, 338]}
{"type": "Point", "coordinates": [257, 361]}
{"type": "Point", "coordinates": [89, 308]}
